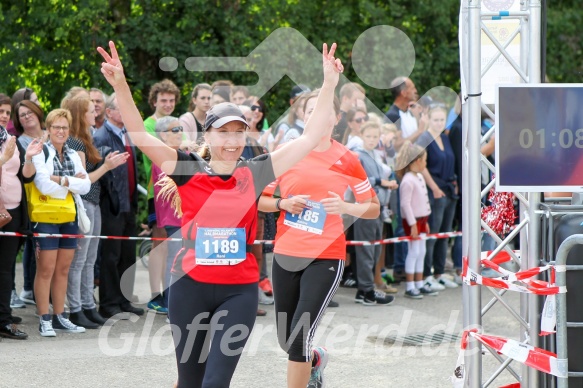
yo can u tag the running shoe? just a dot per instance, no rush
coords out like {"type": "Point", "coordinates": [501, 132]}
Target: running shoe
{"type": "Point", "coordinates": [15, 301]}
{"type": "Point", "coordinates": [434, 284]}
{"type": "Point", "coordinates": [426, 290]}
{"type": "Point", "coordinates": [317, 375]}
{"type": "Point", "coordinates": [413, 294]}
{"type": "Point", "coordinates": [157, 306]}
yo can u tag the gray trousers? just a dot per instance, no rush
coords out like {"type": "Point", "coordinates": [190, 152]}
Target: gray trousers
{"type": "Point", "coordinates": [81, 276]}
{"type": "Point", "coordinates": [367, 255]}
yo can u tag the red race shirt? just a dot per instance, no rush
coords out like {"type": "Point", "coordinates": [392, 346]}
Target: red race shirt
{"type": "Point", "coordinates": [211, 200]}
{"type": "Point", "coordinates": [336, 170]}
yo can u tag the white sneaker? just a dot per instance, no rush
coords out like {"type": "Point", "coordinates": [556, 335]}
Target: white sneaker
{"type": "Point", "coordinates": [445, 282]}
{"type": "Point", "coordinates": [264, 299]}
{"type": "Point", "coordinates": [60, 323]}
{"type": "Point", "coordinates": [434, 284]}
{"type": "Point", "coordinates": [45, 328]}
{"type": "Point", "coordinates": [27, 296]}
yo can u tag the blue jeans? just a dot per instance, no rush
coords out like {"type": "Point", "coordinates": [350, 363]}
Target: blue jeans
{"type": "Point", "coordinates": [441, 221]}
{"type": "Point", "coordinates": [401, 249]}
{"type": "Point", "coordinates": [80, 284]}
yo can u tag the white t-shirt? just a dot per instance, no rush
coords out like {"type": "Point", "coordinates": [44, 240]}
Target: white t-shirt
{"type": "Point", "coordinates": [408, 124]}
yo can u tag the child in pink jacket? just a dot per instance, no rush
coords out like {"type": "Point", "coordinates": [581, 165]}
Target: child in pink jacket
{"type": "Point", "coordinates": [415, 211]}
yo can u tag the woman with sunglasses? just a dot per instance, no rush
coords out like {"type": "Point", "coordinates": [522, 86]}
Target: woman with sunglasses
{"type": "Point", "coordinates": [310, 246]}
{"type": "Point", "coordinates": [83, 311]}
{"type": "Point", "coordinates": [355, 118]}
{"type": "Point", "coordinates": [59, 175]}
{"type": "Point", "coordinates": [259, 127]}
{"type": "Point", "coordinates": [215, 278]}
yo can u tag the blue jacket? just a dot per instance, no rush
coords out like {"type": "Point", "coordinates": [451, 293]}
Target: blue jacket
{"type": "Point", "coordinates": [374, 171]}
{"type": "Point", "coordinates": [115, 183]}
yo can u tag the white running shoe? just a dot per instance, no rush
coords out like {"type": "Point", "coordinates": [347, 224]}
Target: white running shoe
{"type": "Point", "coordinates": [446, 282]}
{"type": "Point", "coordinates": [434, 284]}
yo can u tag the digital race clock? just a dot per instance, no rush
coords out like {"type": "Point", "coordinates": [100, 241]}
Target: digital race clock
{"type": "Point", "coordinates": [539, 137]}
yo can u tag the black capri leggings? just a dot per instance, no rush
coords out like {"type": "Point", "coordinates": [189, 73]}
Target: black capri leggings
{"type": "Point", "coordinates": [302, 289]}
{"type": "Point", "coordinates": [229, 311]}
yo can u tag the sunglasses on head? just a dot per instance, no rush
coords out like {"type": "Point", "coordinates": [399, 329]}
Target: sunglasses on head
{"type": "Point", "coordinates": [175, 129]}
{"type": "Point", "coordinates": [361, 120]}
{"type": "Point", "coordinates": [256, 107]}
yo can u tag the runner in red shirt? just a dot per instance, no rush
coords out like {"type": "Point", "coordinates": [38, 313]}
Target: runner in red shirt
{"type": "Point", "coordinates": [215, 277]}
{"type": "Point", "coordinates": [310, 245]}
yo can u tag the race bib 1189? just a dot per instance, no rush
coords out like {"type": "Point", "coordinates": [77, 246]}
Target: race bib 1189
{"type": "Point", "coordinates": [220, 246]}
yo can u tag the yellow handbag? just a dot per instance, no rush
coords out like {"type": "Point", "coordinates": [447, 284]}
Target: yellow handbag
{"type": "Point", "coordinates": [47, 209]}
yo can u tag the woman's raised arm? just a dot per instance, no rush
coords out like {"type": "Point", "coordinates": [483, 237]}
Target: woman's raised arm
{"type": "Point", "coordinates": [319, 122]}
{"type": "Point", "coordinates": [155, 149]}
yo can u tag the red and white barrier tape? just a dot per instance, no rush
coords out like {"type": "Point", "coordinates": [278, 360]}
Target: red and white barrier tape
{"type": "Point", "coordinates": [537, 358]}
{"type": "Point", "coordinates": [268, 242]}
{"type": "Point", "coordinates": [510, 279]}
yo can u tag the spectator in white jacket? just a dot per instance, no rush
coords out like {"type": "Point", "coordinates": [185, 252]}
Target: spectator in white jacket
{"type": "Point", "coordinates": [59, 172]}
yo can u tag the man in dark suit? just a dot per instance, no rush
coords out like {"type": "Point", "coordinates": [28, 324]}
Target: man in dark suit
{"type": "Point", "coordinates": [119, 200]}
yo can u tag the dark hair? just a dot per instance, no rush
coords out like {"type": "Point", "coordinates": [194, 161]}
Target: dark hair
{"type": "Point", "coordinates": [22, 94]}
{"type": "Point", "coordinates": [194, 94]}
{"type": "Point", "coordinates": [352, 113]}
{"type": "Point", "coordinates": [397, 86]}
{"type": "Point", "coordinates": [349, 117]}
{"type": "Point", "coordinates": [164, 86]}
{"type": "Point", "coordinates": [33, 107]}
{"type": "Point", "coordinates": [223, 91]}
{"type": "Point", "coordinates": [5, 100]}
{"type": "Point", "coordinates": [263, 107]}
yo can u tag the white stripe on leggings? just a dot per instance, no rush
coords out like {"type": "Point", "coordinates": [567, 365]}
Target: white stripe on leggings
{"type": "Point", "coordinates": [312, 331]}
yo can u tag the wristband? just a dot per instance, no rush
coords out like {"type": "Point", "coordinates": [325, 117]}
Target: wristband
{"type": "Point", "coordinates": [277, 204]}
{"type": "Point", "coordinates": [62, 181]}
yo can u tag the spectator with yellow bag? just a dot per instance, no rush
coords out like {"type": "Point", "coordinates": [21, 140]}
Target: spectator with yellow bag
{"type": "Point", "coordinates": [59, 173]}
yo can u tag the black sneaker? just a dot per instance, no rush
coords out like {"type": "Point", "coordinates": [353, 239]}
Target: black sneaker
{"type": "Point", "coordinates": [61, 323]}
{"type": "Point", "coordinates": [373, 297]}
{"type": "Point", "coordinates": [349, 283]}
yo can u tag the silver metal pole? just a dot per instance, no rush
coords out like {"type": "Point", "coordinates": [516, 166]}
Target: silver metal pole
{"type": "Point", "coordinates": [524, 208]}
{"type": "Point", "coordinates": [561, 300]}
{"type": "Point", "coordinates": [534, 232]}
{"type": "Point", "coordinates": [472, 201]}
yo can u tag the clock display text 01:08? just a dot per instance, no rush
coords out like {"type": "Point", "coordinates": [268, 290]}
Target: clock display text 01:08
{"type": "Point", "coordinates": [565, 139]}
